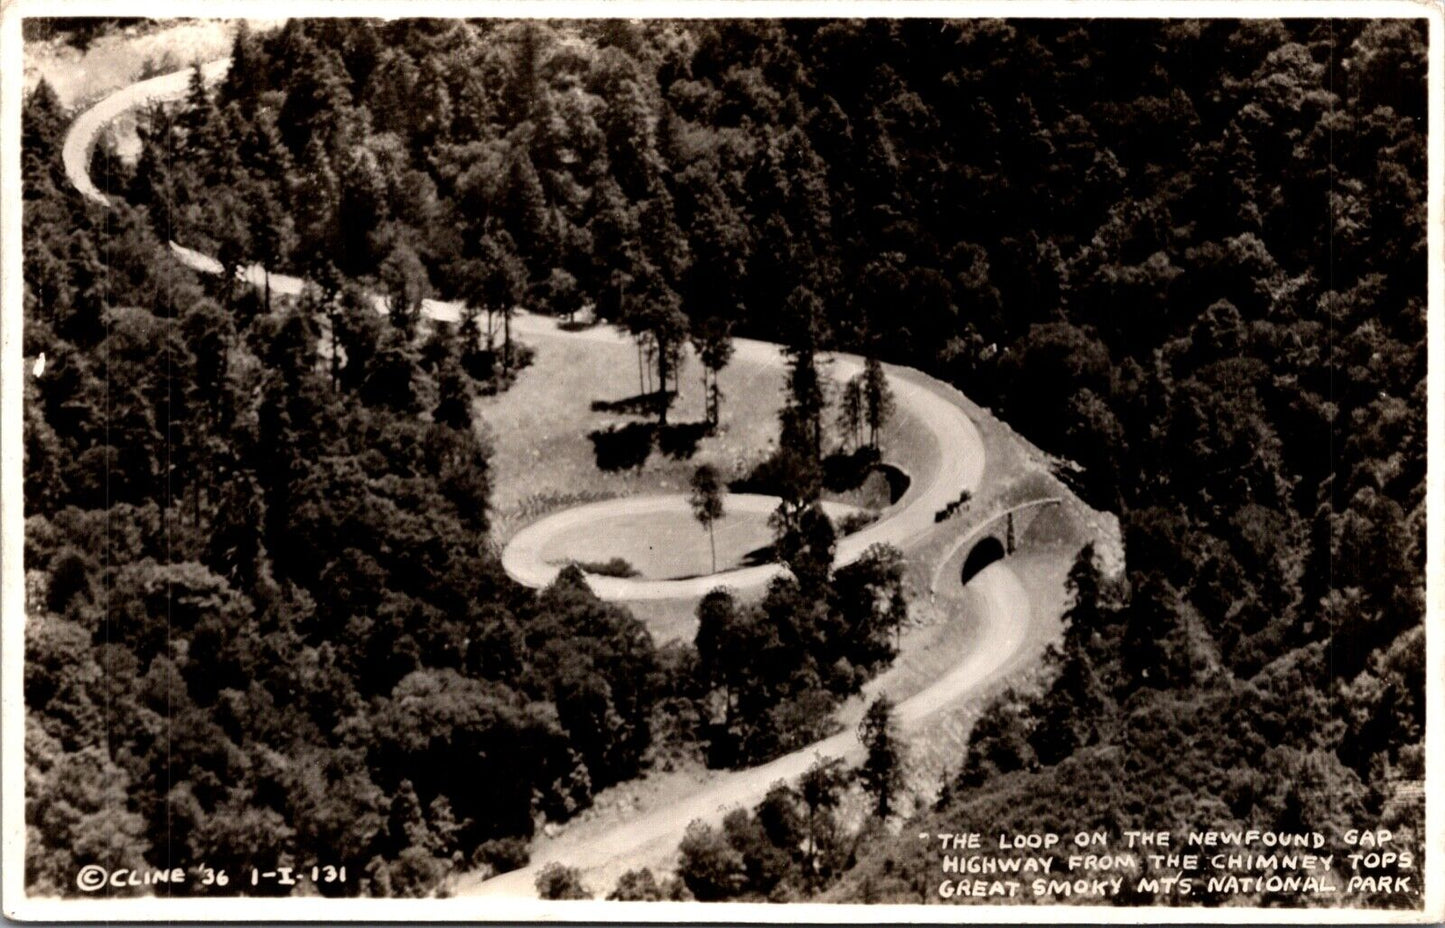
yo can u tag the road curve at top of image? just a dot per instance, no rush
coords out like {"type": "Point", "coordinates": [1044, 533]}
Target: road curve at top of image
{"type": "Point", "coordinates": [81, 137]}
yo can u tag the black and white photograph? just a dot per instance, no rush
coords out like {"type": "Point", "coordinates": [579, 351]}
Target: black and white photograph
{"type": "Point", "coordinates": [731, 463]}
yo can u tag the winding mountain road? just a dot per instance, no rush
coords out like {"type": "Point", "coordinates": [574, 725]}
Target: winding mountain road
{"type": "Point", "coordinates": [961, 468]}
{"type": "Point", "coordinates": [86, 129]}
{"type": "Point", "coordinates": [995, 599]}
{"type": "Point", "coordinates": [1007, 629]}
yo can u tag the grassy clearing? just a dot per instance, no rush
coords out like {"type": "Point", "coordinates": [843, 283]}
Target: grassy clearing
{"type": "Point", "coordinates": [539, 429]}
{"type": "Point", "coordinates": [663, 545]}
{"type": "Point", "coordinates": [671, 544]}
{"type": "Point", "coordinates": [545, 457]}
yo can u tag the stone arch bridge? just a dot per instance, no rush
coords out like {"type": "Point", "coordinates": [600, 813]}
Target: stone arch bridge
{"type": "Point", "coordinates": [991, 540]}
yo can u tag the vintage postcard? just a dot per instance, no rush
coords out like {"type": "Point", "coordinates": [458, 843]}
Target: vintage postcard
{"type": "Point", "coordinates": [722, 462]}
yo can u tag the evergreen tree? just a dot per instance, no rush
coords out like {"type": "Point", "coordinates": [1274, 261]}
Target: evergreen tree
{"type": "Point", "coordinates": [799, 473]}
{"type": "Point", "coordinates": [806, 399]}
{"type": "Point", "coordinates": [318, 203]}
{"type": "Point", "coordinates": [882, 771]}
{"type": "Point", "coordinates": [716, 618]}
{"type": "Point", "coordinates": [199, 118]}
{"type": "Point", "coordinates": [653, 309]}
{"type": "Point", "coordinates": [246, 78]}
{"type": "Point", "coordinates": [524, 90]}
{"type": "Point", "coordinates": [616, 255]}
{"type": "Point", "coordinates": [526, 213]}
{"type": "Point", "coordinates": [405, 282]}
{"type": "Point", "coordinates": [454, 396]}
{"type": "Point", "coordinates": [42, 122]}
{"type": "Point", "coordinates": [878, 400]}
{"type": "Point", "coordinates": [495, 281]}
{"type": "Point", "coordinates": [851, 410]}
{"type": "Point", "coordinates": [807, 548]}
{"type": "Point", "coordinates": [821, 788]}
{"type": "Point", "coordinates": [1091, 614]}
{"type": "Point", "coordinates": [270, 233]}
{"type": "Point", "coordinates": [1150, 653]}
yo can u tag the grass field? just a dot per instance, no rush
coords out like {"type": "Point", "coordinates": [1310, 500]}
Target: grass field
{"type": "Point", "coordinates": [671, 544]}
{"type": "Point", "coordinates": [664, 546]}
{"type": "Point", "coordinates": [543, 459]}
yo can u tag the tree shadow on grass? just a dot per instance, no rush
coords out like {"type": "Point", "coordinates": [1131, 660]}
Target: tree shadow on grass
{"type": "Point", "coordinates": [641, 404]}
{"type": "Point", "coordinates": [680, 441]}
{"type": "Point", "coordinates": [767, 554]}
{"type": "Point", "coordinates": [765, 478]}
{"type": "Point", "coordinates": [612, 567]}
{"type": "Point", "coordinates": [623, 447]}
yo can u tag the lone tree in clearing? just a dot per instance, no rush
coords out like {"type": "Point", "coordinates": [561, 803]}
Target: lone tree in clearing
{"type": "Point", "coordinates": [707, 502]}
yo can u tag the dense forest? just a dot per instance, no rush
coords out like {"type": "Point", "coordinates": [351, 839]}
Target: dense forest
{"type": "Point", "coordinates": [266, 616]}
{"type": "Point", "coordinates": [1237, 348]}
{"type": "Point", "coordinates": [1187, 258]}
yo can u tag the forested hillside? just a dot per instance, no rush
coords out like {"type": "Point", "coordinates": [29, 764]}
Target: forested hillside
{"type": "Point", "coordinates": [267, 625]}
{"type": "Point", "coordinates": [1186, 257]}
{"type": "Point", "coordinates": [1234, 348]}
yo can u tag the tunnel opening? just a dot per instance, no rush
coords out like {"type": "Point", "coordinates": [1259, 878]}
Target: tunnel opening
{"type": "Point", "coordinates": [898, 481]}
{"type": "Point", "coordinates": [983, 554]}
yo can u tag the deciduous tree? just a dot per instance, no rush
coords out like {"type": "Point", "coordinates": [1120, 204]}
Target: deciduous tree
{"type": "Point", "coordinates": [706, 500]}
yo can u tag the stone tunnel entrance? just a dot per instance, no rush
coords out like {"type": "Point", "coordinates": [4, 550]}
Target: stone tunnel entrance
{"type": "Point", "coordinates": [984, 553]}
